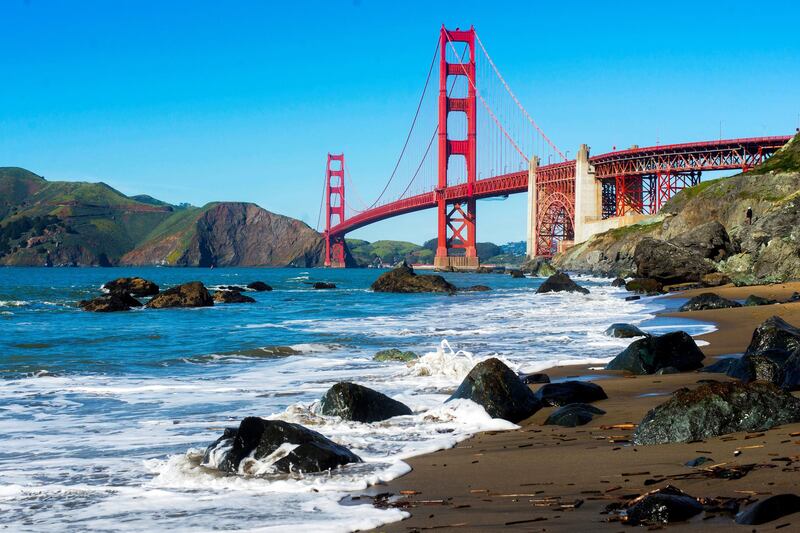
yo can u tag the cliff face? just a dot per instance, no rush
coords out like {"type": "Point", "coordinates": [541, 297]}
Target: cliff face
{"type": "Point", "coordinates": [91, 224]}
{"type": "Point", "coordinates": [232, 234]}
{"type": "Point", "coordinates": [769, 248]}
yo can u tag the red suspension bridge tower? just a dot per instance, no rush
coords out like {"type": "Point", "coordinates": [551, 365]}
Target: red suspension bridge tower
{"type": "Point", "coordinates": [456, 221]}
{"type": "Point", "coordinates": [334, 207]}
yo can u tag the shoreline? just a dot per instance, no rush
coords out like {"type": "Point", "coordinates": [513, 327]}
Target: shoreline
{"type": "Point", "coordinates": [552, 478]}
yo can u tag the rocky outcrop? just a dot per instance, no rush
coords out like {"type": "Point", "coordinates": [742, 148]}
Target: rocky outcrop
{"type": "Point", "coordinates": [772, 356]}
{"type": "Point", "coordinates": [516, 274]}
{"type": "Point", "coordinates": [650, 354]}
{"type": "Point", "coordinates": [669, 263]}
{"type": "Point", "coordinates": [774, 334]}
{"type": "Point", "coordinates": [709, 240]}
{"type": "Point", "coordinates": [493, 386]}
{"type": "Point", "coordinates": [108, 303]}
{"type": "Point", "coordinates": [754, 300]}
{"type": "Point", "coordinates": [573, 414]}
{"type": "Point", "coordinates": [567, 392]}
{"type": "Point", "coordinates": [644, 286]}
{"type": "Point", "coordinates": [361, 404]}
{"type": "Point", "coordinates": [403, 279]}
{"type": "Point", "coordinates": [715, 409]}
{"type": "Point", "coordinates": [560, 282]}
{"type": "Point", "coordinates": [232, 297]}
{"type": "Point", "coordinates": [393, 354]}
{"type": "Point", "coordinates": [624, 331]}
{"type": "Point", "coordinates": [192, 294]}
{"type": "Point", "coordinates": [259, 286]}
{"type": "Point", "coordinates": [135, 286]}
{"type": "Point", "coordinates": [708, 300]}
{"type": "Point", "coordinates": [298, 448]}
{"type": "Point", "coordinates": [715, 279]}
{"type": "Point", "coordinates": [538, 268]}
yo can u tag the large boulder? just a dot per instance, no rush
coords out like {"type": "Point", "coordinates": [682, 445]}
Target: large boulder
{"type": "Point", "coordinates": [192, 294]}
{"type": "Point", "coordinates": [403, 279]}
{"type": "Point", "coordinates": [516, 274]}
{"type": "Point", "coordinates": [644, 286]}
{"type": "Point", "coordinates": [774, 334]}
{"type": "Point", "coordinates": [572, 415]}
{"type": "Point", "coordinates": [108, 303]}
{"type": "Point", "coordinates": [259, 286]}
{"type": "Point", "coordinates": [134, 286]}
{"type": "Point", "coordinates": [709, 240]}
{"type": "Point", "coordinates": [232, 297]}
{"type": "Point", "coordinates": [496, 388]}
{"type": "Point", "coordinates": [303, 450]}
{"type": "Point", "coordinates": [560, 282]}
{"type": "Point", "coordinates": [714, 409]}
{"type": "Point", "coordinates": [361, 404]}
{"type": "Point", "coordinates": [393, 354]}
{"type": "Point", "coordinates": [568, 392]}
{"type": "Point", "coordinates": [715, 279]}
{"type": "Point", "coordinates": [773, 366]}
{"type": "Point", "coordinates": [624, 331]}
{"type": "Point", "coordinates": [539, 268]}
{"type": "Point", "coordinates": [661, 506]}
{"type": "Point", "coordinates": [754, 300]}
{"type": "Point", "coordinates": [669, 263]}
{"type": "Point", "coordinates": [321, 285]}
{"type": "Point", "coordinates": [769, 509]}
{"type": "Point", "coordinates": [708, 300]}
{"type": "Point", "coordinates": [722, 366]}
{"type": "Point", "coordinates": [651, 354]}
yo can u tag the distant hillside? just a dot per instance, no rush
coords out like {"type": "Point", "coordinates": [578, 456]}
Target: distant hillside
{"type": "Point", "coordinates": [78, 223]}
{"type": "Point", "coordinates": [388, 252]}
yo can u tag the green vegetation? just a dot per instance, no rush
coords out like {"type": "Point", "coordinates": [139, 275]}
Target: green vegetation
{"type": "Point", "coordinates": [787, 159]}
{"type": "Point", "coordinates": [387, 252]}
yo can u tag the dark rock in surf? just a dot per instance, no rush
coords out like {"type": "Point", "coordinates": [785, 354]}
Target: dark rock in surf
{"type": "Point", "coordinates": [534, 379]}
{"type": "Point", "coordinates": [708, 300]}
{"type": "Point", "coordinates": [560, 282]}
{"type": "Point", "coordinates": [134, 286]}
{"type": "Point", "coordinates": [624, 331]}
{"type": "Point", "coordinates": [259, 286]}
{"type": "Point", "coordinates": [774, 334]}
{"type": "Point", "coordinates": [475, 288]}
{"type": "Point", "coordinates": [632, 298]}
{"type": "Point", "coordinates": [572, 415]}
{"type": "Point", "coordinates": [232, 297]}
{"type": "Point", "coordinates": [258, 438]}
{"type": "Point", "coordinates": [361, 404]}
{"type": "Point", "coordinates": [644, 286]}
{"type": "Point", "coordinates": [714, 409]}
{"type": "Point", "coordinates": [753, 300]}
{"type": "Point", "coordinates": [393, 354]}
{"type": "Point", "coordinates": [619, 282]}
{"type": "Point", "coordinates": [403, 279]}
{"type": "Point", "coordinates": [516, 274]}
{"type": "Point", "coordinates": [192, 294]}
{"type": "Point", "coordinates": [650, 354]}
{"type": "Point", "coordinates": [321, 285]}
{"type": "Point", "coordinates": [236, 288]}
{"type": "Point", "coordinates": [496, 388]}
{"type": "Point", "coordinates": [108, 303]}
{"type": "Point", "coordinates": [769, 509]}
{"type": "Point", "coordinates": [568, 392]}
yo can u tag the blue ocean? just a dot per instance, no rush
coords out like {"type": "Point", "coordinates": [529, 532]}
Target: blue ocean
{"type": "Point", "coordinates": [104, 416]}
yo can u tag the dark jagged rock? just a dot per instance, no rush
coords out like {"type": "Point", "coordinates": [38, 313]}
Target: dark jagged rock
{"type": "Point", "coordinates": [539, 268]}
{"type": "Point", "coordinates": [758, 300]}
{"type": "Point", "coordinates": [483, 270]}
{"type": "Point", "coordinates": [722, 366]}
{"type": "Point", "coordinates": [632, 298]}
{"type": "Point", "coordinates": [708, 300]}
{"type": "Point", "coordinates": [134, 286]}
{"type": "Point", "coordinates": [192, 294]}
{"type": "Point", "coordinates": [493, 386]}
{"type": "Point", "coordinates": [403, 279]}
{"type": "Point", "coordinates": [648, 355]}
{"type": "Point", "coordinates": [108, 303]}
{"type": "Point", "coordinates": [569, 392]}
{"type": "Point", "coordinates": [644, 286]}
{"type": "Point", "coordinates": [560, 282]}
{"type": "Point", "coordinates": [624, 331]}
{"type": "Point", "coordinates": [769, 509]}
{"type": "Point", "coordinates": [791, 372]}
{"type": "Point", "coordinates": [709, 240]}
{"type": "Point", "coordinates": [261, 438]}
{"type": "Point", "coordinates": [232, 297]}
{"type": "Point", "coordinates": [533, 379]}
{"type": "Point", "coordinates": [361, 404]}
{"type": "Point", "coordinates": [764, 366]}
{"type": "Point", "coordinates": [393, 354]}
{"type": "Point", "coordinates": [618, 282]}
{"type": "Point", "coordinates": [714, 409]}
{"type": "Point", "coordinates": [774, 334]}
{"type": "Point", "coordinates": [319, 285]}
{"type": "Point", "coordinates": [572, 415]}
{"type": "Point", "coordinates": [236, 288]}
{"type": "Point", "coordinates": [662, 506]}
{"type": "Point", "coordinates": [259, 286]}
{"type": "Point", "coordinates": [475, 288]}
{"type": "Point", "coordinates": [516, 274]}
{"type": "Point", "coordinates": [795, 297]}
{"type": "Point", "coordinates": [669, 263]}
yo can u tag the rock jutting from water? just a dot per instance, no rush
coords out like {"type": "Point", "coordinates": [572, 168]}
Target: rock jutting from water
{"type": "Point", "coordinates": [393, 354]}
{"type": "Point", "coordinates": [496, 388]}
{"type": "Point", "coordinates": [624, 331]}
{"type": "Point", "coordinates": [708, 300]}
{"type": "Point", "coordinates": [403, 279]}
{"type": "Point", "coordinates": [108, 303]}
{"type": "Point", "coordinates": [714, 409]}
{"type": "Point", "coordinates": [134, 286]}
{"type": "Point", "coordinates": [350, 401]}
{"type": "Point", "coordinates": [297, 449]}
{"type": "Point", "coordinates": [560, 282]}
{"type": "Point", "coordinates": [232, 297]}
{"type": "Point", "coordinates": [192, 294]}
{"type": "Point", "coordinates": [475, 288]}
{"type": "Point", "coordinates": [652, 353]}
{"type": "Point", "coordinates": [322, 285]}
{"type": "Point", "coordinates": [644, 286]}
{"type": "Point", "coordinates": [259, 286]}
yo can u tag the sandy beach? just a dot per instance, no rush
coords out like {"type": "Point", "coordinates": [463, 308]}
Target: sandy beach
{"type": "Point", "coordinates": [548, 478]}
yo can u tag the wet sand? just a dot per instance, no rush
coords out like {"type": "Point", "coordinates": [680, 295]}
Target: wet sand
{"type": "Point", "coordinates": [547, 478]}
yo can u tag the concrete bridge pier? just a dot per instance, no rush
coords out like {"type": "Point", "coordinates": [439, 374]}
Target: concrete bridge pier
{"type": "Point", "coordinates": [588, 196]}
{"type": "Point", "coordinates": [533, 208]}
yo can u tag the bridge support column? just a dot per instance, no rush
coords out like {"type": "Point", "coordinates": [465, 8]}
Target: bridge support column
{"type": "Point", "coordinates": [588, 195]}
{"type": "Point", "coordinates": [533, 209]}
{"type": "Point", "coordinates": [334, 207]}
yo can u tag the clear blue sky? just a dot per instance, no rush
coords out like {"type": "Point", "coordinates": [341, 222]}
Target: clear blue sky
{"type": "Point", "coordinates": [207, 100]}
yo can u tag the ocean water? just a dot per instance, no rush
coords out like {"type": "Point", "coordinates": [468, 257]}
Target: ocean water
{"type": "Point", "coordinates": [104, 417]}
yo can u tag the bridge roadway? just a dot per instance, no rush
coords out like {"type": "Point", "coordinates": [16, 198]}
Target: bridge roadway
{"type": "Point", "coordinates": [731, 154]}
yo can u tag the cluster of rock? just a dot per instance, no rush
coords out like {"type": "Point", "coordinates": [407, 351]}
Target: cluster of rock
{"type": "Point", "coordinates": [403, 279]}
{"type": "Point", "coordinates": [122, 295]}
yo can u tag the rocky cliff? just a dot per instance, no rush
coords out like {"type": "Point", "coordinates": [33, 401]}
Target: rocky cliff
{"type": "Point", "coordinates": [44, 223]}
{"type": "Point", "coordinates": [767, 250]}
